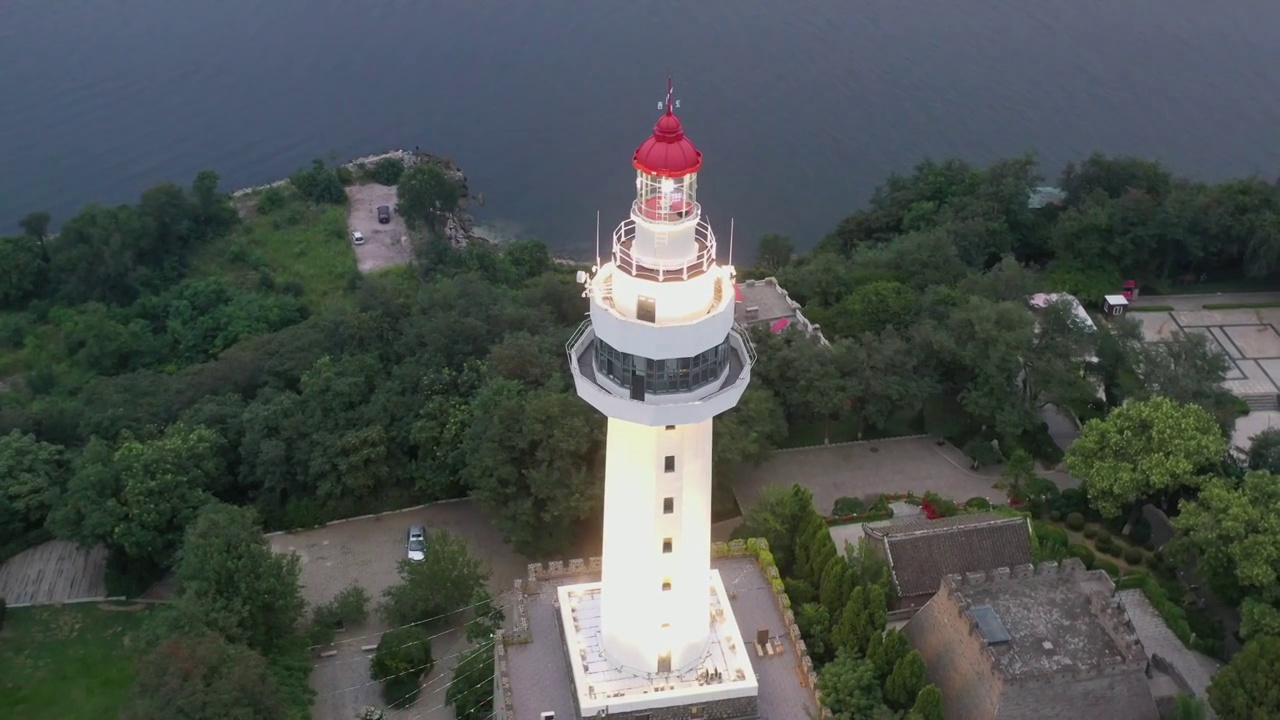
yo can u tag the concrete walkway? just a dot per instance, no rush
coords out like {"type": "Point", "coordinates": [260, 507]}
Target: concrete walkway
{"type": "Point", "coordinates": [1197, 669]}
{"type": "Point", "coordinates": [54, 572]}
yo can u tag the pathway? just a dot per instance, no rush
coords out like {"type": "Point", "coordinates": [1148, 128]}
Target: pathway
{"type": "Point", "coordinates": [1158, 639]}
{"type": "Point", "coordinates": [54, 572]}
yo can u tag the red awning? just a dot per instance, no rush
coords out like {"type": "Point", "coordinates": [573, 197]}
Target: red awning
{"type": "Point", "coordinates": [780, 325]}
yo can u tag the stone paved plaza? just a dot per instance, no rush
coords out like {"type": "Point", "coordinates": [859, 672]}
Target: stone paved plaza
{"type": "Point", "coordinates": [1250, 338]}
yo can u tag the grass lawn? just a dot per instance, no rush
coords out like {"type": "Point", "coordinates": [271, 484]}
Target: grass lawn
{"type": "Point", "coordinates": [298, 243]}
{"type": "Point", "coordinates": [72, 663]}
{"type": "Point", "coordinates": [811, 434]}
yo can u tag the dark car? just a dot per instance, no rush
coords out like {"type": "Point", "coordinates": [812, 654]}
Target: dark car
{"type": "Point", "coordinates": [384, 214]}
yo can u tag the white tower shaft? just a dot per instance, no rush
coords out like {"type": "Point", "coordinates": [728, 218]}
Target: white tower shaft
{"type": "Point", "coordinates": [656, 564]}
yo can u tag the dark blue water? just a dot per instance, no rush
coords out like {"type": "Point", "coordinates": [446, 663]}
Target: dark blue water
{"type": "Point", "coordinates": [801, 108]}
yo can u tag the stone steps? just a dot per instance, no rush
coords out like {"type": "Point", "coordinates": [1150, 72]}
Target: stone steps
{"type": "Point", "coordinates": [1262, 401]}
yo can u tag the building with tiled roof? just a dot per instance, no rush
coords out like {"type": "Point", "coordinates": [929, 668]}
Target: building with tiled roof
{"type": "Point", "coordinates": [921, 552]}
{"type": "Point", "coordinates": [1051, 643]}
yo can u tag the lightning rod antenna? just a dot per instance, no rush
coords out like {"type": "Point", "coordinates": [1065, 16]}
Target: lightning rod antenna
{"type": "Point", "coordinates": [730, 242]}
{"type": "Point", "coordinates": [597, 238]}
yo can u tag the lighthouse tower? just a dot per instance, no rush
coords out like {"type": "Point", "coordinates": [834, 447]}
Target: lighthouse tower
{"type": "Point", "coordinates": [661, 356]}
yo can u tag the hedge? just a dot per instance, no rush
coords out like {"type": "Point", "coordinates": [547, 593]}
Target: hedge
{"type": "Point", "coordinates": [1104, 535]}
{"type": "Point", "coordinates": [1075, 521]}
{"type": "Point", "coordinates": [1111, 568]}
{"type": "Point", "coordinates": [1049, 534]}
{"type": "Point", "coordinates": [1133, 555]}
{"type": "Point", "coordinates": [1091, 531]}
{"type": "Point", "coordinates": [1084, 553]}
{"type": "Point", "coordinates": [978, 503]}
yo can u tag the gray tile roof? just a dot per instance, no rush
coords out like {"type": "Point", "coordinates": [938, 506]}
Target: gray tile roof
{"type": "Point", "coordinates": [921, 552]}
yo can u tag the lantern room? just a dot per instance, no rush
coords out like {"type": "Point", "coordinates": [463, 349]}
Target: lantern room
{"type": "Point", "coordinates": [666, 173]}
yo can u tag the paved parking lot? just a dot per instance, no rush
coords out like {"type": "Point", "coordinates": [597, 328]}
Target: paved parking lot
{"type": "Point", "coordinates": [366, 552]}
{"type": "Point", "coordinates": [384, 245]}
{"type": "Point", "coordinates": [866, 469]}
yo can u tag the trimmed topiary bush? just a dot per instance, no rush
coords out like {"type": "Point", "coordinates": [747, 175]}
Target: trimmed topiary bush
{"type": "Point", "coordinates": [1090, 531]}
{"type": "Point", "coordinates": [1104, 535]}
{"type": "Point", "coordinates": [1055, 516]}
{"type": "Point", "coordinates": [1085, 554]}
{"type": "Point", "coordinates": [1153, 561]}
{"type": "Point", "coordinates": [1049, 534]}
{"type": "Point", "coordinates": [1109, 567]}
{"type": "Point", "coordinates": [1133, 555]}
{"type": "Point", "coordinates": [978, 503]}
{"type": "Point", "coordinates": [848, 506]}
{"type": "Point", "coordinates": [1112, 549]}
{"type": "Point", "coordinates": [1075, 521]}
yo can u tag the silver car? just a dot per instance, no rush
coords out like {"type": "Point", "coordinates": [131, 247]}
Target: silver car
{"type": "Point", "coordinates": [417, 544]}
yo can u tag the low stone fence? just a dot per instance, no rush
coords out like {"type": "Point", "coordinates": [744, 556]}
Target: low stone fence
{"type": "Point", "coordinates": [403, 155]}
{"type": "Point", "coordinates": [757, 548]}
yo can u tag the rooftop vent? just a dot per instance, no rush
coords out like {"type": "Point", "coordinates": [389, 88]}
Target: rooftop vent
{"type": "Point", "coordinates": [989, 625]}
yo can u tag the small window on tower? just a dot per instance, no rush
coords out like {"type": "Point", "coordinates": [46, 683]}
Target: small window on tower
{"type": "Point", "coordinates": [668, 505]}
{"type": "Point", "coordinates": [666, 586]}
{"type": "Point", "coordinates": [666, 545]}
{"type": "Point", "coordinates": [669, 464]}
{"type": "Point", "coordinates": [671, 427]}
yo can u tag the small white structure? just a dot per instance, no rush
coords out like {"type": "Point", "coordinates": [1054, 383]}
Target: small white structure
{"type": "Point", "coordinates": [661, 356]}
{"type": "Point", "coordinates": [1115, 305]}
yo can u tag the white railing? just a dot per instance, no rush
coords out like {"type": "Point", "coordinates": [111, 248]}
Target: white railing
{"type": "Point", "coordinates": [571, 347]}
{"type": "Point", "coordinates": [660, 269]}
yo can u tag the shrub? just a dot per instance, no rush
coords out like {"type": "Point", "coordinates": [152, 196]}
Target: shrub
{"type": "Point", "coordinates": [1091, 531]}
{"type": "Point", "coordinates": [386, 171]}
{"type": "Point", "coordinates": [978, 503]}
{"type": "Point", "coordinates": [1054, 515]}
{"type": "Point", "coordinates": [1112, 549]}
{"type": "Point", "coordinates": [1133, 555]}
{"type": "Point", "coordinates": [270, 200]}
{"type": "Point", "coordinates": [1049, 534]}
{"type": "Point", "coordinates": [982, 453]}
{"type": "Point", "coordinates": [403, 656]}
{"type": "Point", "coordinates": [1075, 521]}
{"type": "Point", "coordinates": [1154, 562]}
{"type": "Point", "coordinates": [4, 610]}
{"type": "Point", "coordinates": [1085, 554]}
{"type": "Point", "coordinates": [848, 506]}
{"type": "Point", "coordinates": [1109, 567]}
{"type": "Point", "coordinates": [1104, 535]}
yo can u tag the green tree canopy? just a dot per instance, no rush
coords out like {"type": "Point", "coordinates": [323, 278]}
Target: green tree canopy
{"type": "Point", "coordinates": [1249, 687]}
{"type": "Point", "coordinates": [1142, 449]}
{"type": "Point", "coordinates": [426, 194]}
{"type": "Point", "coordinates": [448, 579]}
{"type": "Point", "coordinates": [470, 691]}
{"type": "Point", "coordinates": [204, 678]}
{"type": "Point", "coordinates": [850, 687]}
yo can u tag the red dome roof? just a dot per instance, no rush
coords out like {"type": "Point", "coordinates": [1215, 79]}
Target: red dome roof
{"type": "Point", "coordinates": [668, 153]}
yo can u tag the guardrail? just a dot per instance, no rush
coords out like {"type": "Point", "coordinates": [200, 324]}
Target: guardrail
{"type": "Point", "coordinates": [660, 269]}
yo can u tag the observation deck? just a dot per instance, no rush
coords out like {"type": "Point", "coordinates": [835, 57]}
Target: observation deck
{"type": "Point", "coordinates": [636, 404]}
{"type": "Point", "coordinates": [654, 264]}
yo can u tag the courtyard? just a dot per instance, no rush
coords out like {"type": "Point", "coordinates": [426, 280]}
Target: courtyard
{"type": "Point", "coordinates": [1249, 337]}
{"type": "Point", "coordinates": [864, 469]}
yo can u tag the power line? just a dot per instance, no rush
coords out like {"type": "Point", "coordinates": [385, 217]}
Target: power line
{"type": "Point", "coordinates": [406, 672]}
{"type": "Point", "coordinates": [448, 685]}
{"type": "Point", "coordinates": [490, 601]}
{"type": "Point", "coordinates": [413, 642]}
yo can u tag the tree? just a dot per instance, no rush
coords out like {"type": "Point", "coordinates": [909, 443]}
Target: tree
{"type": "Point", "coordinates": [875, 307]}
{"type": "Point", "coordinates": [886, 650]}
{"type": "Point", "coordinates": [865, 615]}
{"type": "Point", "coordinates": [1248, 687]}
{"type": "Point", "coordinates": [749, 432]}
{"type": "Point", "coordinates": [427, 194]}
{"type": "Point", "coordinates": [139, 497]}
{"type": "Point", "coordinates": [814, 621]}
{"type": "Point", "coordinates": [533, 460]}
{"type": "Point", "coordinates": [445, 581]}
{"type": "Point", "coordinates": [773, 252]}
{"type": "Point", "coordinates": [347, 608]}
{"type": "Point", "coordinates": [231, 581]}
{"type": "Point", "coordinates": [1235, 534]}
{"type": "Point", "coordinates": [402, 658]}
{"type": "Point", "coordinates": [36, 226]}
{"type": "Point", "coordinates": [1188, 707]}
{"type": "Point", "coordinates": [32, 472]}
{"type": "Point", "coordinates": [778, 517]}
{"type": "Point", "coordinates": [903, 685]}
{"type": "Point", "coordinates": [204, 678]}
{"type": "Point", "coordinates": [1264, 451]}
{"type": "Point", "coordinates": [319, 184]}
{"type": "Point", "coordinates": [486, 618]}
{"type": "Point", "coordinates": [387, 171]}
{"type": "Point", "coordinates": [849, 687]}
{"type": "Point", "coordinates": [928, 704]}
{"type": "Point", "coordinates": [1143, 449]}
{"type": "Point", "coordinates": [470, 691]}
{"type": "Point", "coordinates": [1188, 368]}
{"type": "Point", "coordinates": [837, 583]}
{"type": "Point", "coordinates": [23, 270]}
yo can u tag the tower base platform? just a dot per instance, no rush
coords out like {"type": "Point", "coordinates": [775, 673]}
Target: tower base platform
{"type": "Point", "coordinates": [549, 666]}
{"type": "Point", "coordinates": [722, 676]}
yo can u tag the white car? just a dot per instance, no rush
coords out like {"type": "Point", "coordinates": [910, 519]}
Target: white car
{"type": "Point", "coordinates": [357, 238]}
{"type": "Point", "coordinates": [417, 544]}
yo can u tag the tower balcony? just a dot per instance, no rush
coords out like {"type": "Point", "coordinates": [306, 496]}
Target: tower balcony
{"type": "Point", "coordinates": [664, 253]}
{"type": "Point", "coordinates": [661, 399]}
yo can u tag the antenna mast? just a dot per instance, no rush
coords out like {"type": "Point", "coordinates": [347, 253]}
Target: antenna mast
{"type": "Point", "coordinates": [731, 242]}
{"type": "Point", "coordinates": [597, 238]}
